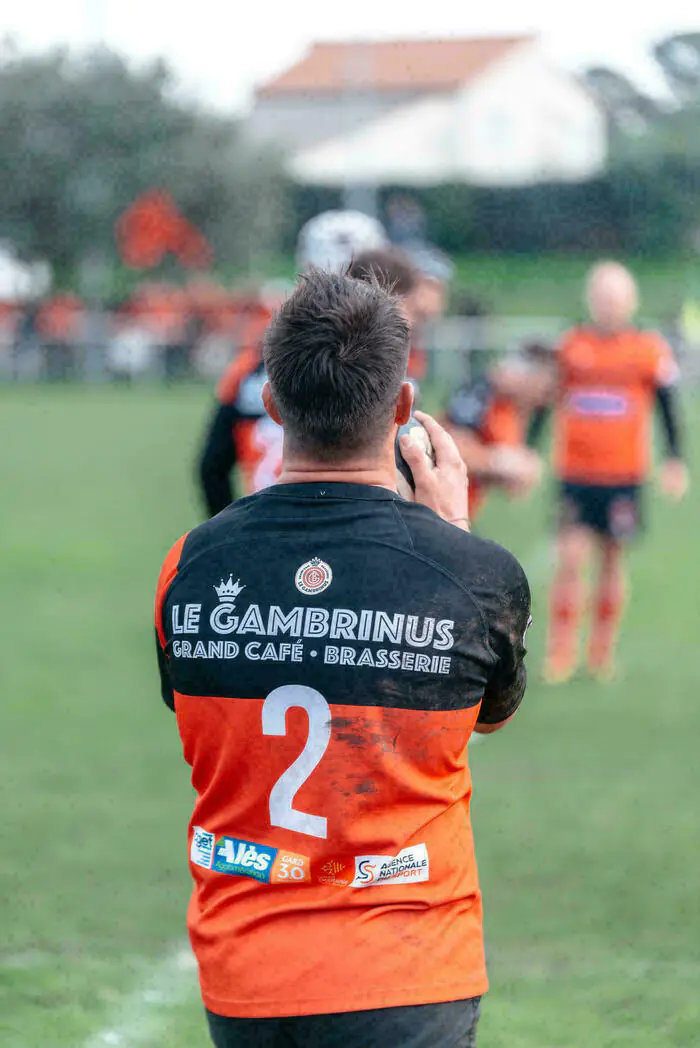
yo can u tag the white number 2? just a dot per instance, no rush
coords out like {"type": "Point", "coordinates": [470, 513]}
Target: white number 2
{"type": "Point", "coordinates": [274, 722]}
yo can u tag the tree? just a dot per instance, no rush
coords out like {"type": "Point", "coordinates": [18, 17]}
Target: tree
{"type": "Point", "coordinates": [81, 138]}
{"type": "Point", "coordinates": [679, 58]}
{"type": "Point", "coordinates": [628, 109]}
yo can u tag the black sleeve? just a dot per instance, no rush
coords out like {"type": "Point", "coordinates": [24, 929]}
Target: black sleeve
{"type": "Point", "coordinates": [536, 426]}
{"type": "Point", "coordinates": [166, 688]}
{"type": "Point", "coordinates": [469, 405]}
{"type": "Point", "coordinates": [504, 595]}
{"type": "Point", "coordinates": [667, 403]}
{"type": "Point", "coordinates": [218, 459]}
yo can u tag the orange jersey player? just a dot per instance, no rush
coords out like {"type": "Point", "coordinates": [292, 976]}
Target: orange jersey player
{"type": "Point", "coordinates": [328, 648]}
{"type": "Point", "coordinates": [488, 421]}
{"type": "Point", "coordinates": [240, 434]}
{"type": "Point", "coordinates": [610, 377]}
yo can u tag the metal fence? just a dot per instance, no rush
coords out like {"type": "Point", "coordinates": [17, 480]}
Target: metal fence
{"type": "Point", "coordinates": [458, 348]}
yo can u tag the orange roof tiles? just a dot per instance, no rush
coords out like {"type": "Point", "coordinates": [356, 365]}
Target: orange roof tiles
{"type": "Point", "coordinates": [410, 65]}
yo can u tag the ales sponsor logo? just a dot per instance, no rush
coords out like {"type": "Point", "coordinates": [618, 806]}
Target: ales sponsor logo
{"type": "Point", "coordinates": [243, 858]}
{"type": "Point", "coordinates": [410, 866]}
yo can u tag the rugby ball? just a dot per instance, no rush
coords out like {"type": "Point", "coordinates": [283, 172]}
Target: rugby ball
{"type": "Point", "coordinates": [417, 434]}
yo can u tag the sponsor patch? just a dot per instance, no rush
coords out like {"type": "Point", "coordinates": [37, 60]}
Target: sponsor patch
{"type": "Point", "coordinates": [600, 403]}
{"type": "Point", "coordinates": [290, 868]}
{"type": "Point", "coordinates": [202, 848]}
{"type": "Point", "coordinates": [408, 867]}
{"type": "Point", "coordinates": [313, 577]}
{"type": "Point", "coordinates": [241, 858]}
{"type": "Point", "coordinates": [336, 873]}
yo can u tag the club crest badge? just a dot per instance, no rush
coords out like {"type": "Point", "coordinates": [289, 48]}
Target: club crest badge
{"type": "Point", "coordinates": [313, 577]}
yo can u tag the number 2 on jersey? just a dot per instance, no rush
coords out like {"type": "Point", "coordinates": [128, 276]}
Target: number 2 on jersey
{"type": "Point", "coordinates": [274, 722]}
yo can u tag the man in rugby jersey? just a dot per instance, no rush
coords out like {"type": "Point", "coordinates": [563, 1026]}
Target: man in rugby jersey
{"type": "Point", "coordinates": [328, 648]}
{"type": "Point", "coordinates": [611, 376]}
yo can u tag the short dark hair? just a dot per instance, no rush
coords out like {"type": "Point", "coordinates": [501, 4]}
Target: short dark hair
{"type": "Point", "coordinates": [390, 266]}
{"type": "Point", "coordinates": [336, 356]}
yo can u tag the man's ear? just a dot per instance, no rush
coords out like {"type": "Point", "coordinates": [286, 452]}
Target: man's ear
{"type": "Point", "coordinates": [269, 404]}
{"type": "Point", "coordinates": [404, 404]}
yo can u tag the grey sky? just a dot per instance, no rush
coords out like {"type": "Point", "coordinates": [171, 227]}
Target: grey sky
{"type": "Point", "coordinates": [222, 48]}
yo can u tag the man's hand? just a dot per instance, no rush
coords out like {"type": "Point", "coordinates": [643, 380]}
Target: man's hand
{"type": "Point", "coordinates": [444, 488]}
{"type": "Point", "coordinates": [674, 479]}
{"type": "Point", "coordinates": [519, 469]}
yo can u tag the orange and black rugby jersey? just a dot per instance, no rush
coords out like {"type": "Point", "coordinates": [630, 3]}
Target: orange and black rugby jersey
{"type": "Point", "coordinates": [327, 649]}
{"type": "Point", "coordinates": [240, 433]}
{"type": "Point", "coordinates": [603, 414]}
{"type": "Point", "coordinates": [494, 419]}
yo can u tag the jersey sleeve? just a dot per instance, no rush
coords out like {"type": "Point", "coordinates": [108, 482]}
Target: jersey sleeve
{"type": "Point", "coordinates": [217, 459]}
{"type": "Point", "coordinates": [230, 382]}
{"type": "Point", "coordinates": [166, 576]}
{"type": "Point", "coordinates": [503, 593]}
{"type": "Point", "coordinates": [468, 406]}
{"type": "Point", "coordinates": [663, 369]}
{"type": "Point", "coordinates": [218, 456]}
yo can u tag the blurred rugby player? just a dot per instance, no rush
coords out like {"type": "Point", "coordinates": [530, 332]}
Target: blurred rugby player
{"type": "Point", "coordinates": [240, 433]}
{"type": "Point", "coordinates": [393, 269]}
{"type": "Point", "coordinates": [488, 420]}
{"type": "Point", "coordinates": [611, 375]}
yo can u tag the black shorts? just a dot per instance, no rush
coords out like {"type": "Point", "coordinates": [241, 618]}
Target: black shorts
{"type": "Point", "coordinates": [611, 510]}
{"type": "Point", "coordinates": [450, 1025]}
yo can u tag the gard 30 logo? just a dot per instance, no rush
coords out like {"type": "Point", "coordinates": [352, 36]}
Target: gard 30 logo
{"type": "Point", "coordinates": [241, 858]}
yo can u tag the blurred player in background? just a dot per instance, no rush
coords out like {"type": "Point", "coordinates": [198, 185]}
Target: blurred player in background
{"type": "Point", "coordinates": [429, 301]}
{"type": "Point", "coordinates": [610, 376]}
{"type": "Point", "coordinates": [240, 433]}
{"type": "Point", "coordinates": [396, 271]}
{"type": "Point", "coordinates": [488, 421]}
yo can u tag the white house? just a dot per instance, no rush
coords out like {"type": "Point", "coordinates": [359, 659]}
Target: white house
{"type": "Point", "coordinates": [489, 112]}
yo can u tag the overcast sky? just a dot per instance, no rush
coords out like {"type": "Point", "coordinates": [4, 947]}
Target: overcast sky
{"type": "Point", "coordinates": [220, 53]}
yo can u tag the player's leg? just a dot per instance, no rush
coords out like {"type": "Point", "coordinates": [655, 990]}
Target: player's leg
{"type": "Point", "coordinates": [620, 522]}
{"type": "Point", "coordinates": [566, 603]}
{"type": "Point", "coordinates": [607, 609]}
{"type": "Point", "coordinates": [449, 1025]}
{"type": "Point", "coordinates": [248, 1033]}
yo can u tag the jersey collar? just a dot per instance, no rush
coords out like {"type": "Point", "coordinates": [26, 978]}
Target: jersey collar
{"type": "Point", "coordinates": [332, 489]}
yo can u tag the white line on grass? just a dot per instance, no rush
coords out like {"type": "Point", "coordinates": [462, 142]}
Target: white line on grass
{"type": "Point", "coordinates": [145, 1011]}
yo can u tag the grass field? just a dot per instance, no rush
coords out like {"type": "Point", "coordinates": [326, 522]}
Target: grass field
{"type": "Point", "coordinates": [551, 285]}
{"type": "Point", "coordinates": [586, 809]}
{"type": "Point", "coordinates": [544, 285]}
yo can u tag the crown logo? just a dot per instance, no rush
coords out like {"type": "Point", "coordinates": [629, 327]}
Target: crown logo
{"type": "Point", "coordinates": [229, 589]}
